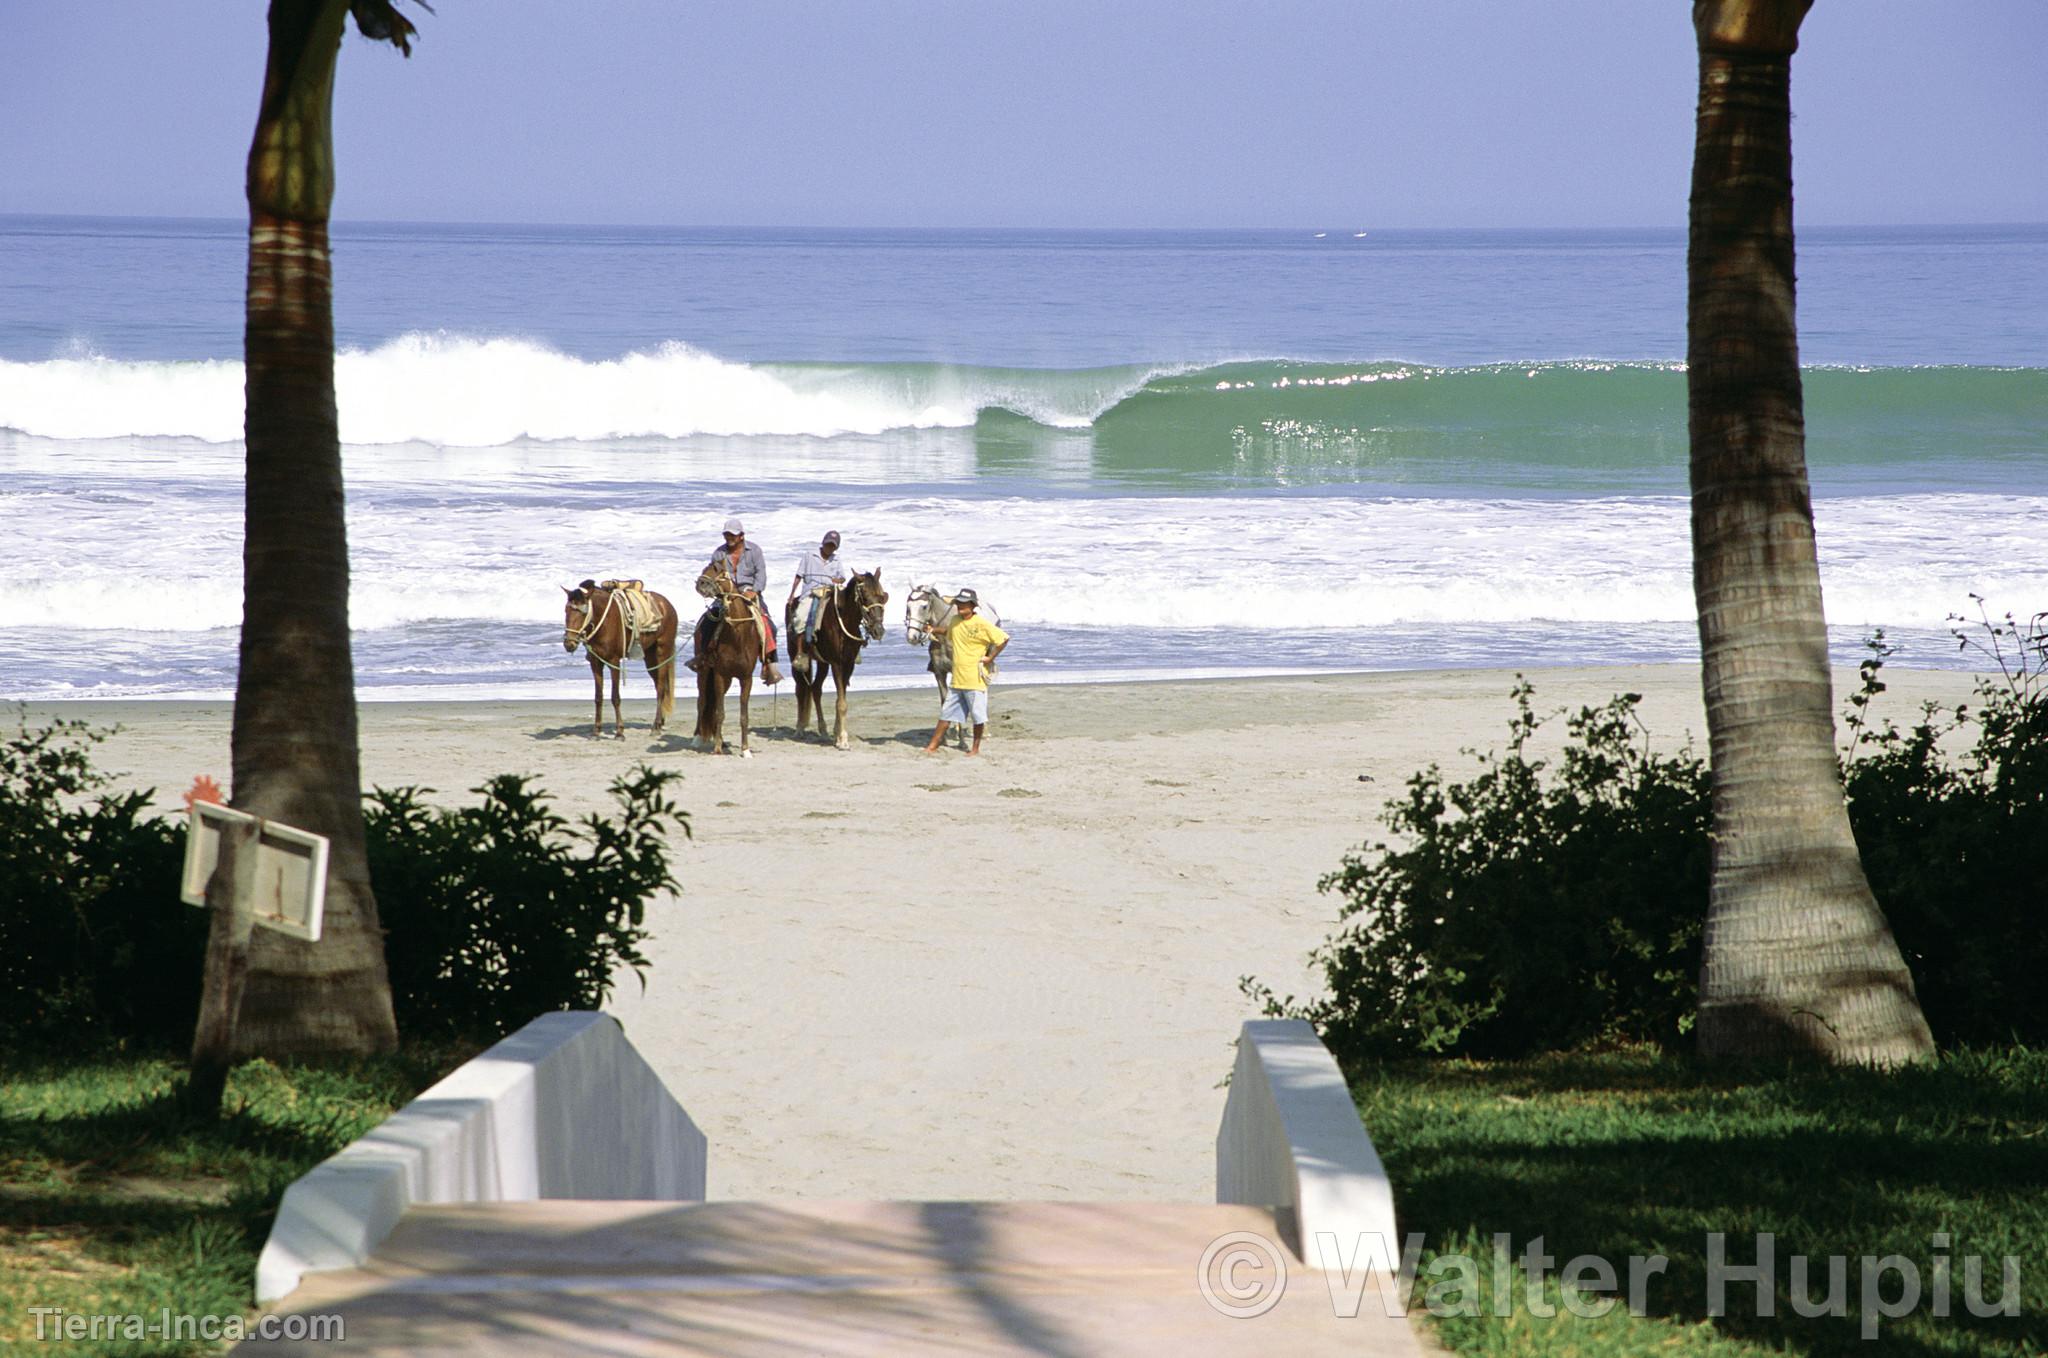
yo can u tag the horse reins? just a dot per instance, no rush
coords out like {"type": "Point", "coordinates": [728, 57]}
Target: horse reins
{"type": "Point", "coordinates": [839, 617]}
{"type": "Point", "coordinates": [727, 599]}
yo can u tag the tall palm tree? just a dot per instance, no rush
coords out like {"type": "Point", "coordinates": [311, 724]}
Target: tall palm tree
{"type": "Point", "coordinates": [1798, 957]}
{"type": "Point", "coordinates": [294, 756]}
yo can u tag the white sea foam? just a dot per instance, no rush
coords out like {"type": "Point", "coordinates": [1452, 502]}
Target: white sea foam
{"type": "Point", "coordinates": [1248, 563]}
{"type": "Point", "coordinates": [460, 392]}
{"type": "Point", "coordinates": [91, 397]}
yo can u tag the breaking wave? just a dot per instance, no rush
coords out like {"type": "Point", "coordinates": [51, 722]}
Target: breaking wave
{"type": "Point", "coordinates": [457, 392]}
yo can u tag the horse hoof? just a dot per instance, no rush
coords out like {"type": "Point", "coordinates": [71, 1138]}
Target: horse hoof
{"type": "Point", "coordinates": [746, 754]}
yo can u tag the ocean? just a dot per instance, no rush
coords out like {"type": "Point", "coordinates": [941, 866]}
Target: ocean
{"type": "Point", "coordinates": [1155, 454]}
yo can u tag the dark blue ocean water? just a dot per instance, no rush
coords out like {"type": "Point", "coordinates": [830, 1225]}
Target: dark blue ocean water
{"type": "Point", "coordinates": [1884, 296]}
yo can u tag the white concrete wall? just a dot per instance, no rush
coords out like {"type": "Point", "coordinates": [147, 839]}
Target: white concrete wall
{"type": "Point", "coordinates": [563, 1108]}
{"type": "Point", "coordinates": [1291, 1139]}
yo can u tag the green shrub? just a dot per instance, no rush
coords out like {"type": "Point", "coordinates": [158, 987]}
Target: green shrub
{"type": "Point", "coordinates": [496, 912]}
{"type": "Point", "coordinates": [493, 913]}
{"type": "Point", "coordinates": [1526, 911]}
{"type": "Point", "coordinates": [93, 940]}
{"type": "Point", "coordinates": [1953, 847]}
{"type": "Point", "coordinates": [1519, 913]}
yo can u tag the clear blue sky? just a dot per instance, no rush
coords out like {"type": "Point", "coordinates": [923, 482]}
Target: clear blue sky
{"type": "Point", "coordinates": [1171, 113]}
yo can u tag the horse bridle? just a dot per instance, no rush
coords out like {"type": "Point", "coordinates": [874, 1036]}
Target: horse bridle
{"type": "Point", "coordinates": [919, 632]}
{"type": "Point", "coordinates": [582, 638]}
{"type": "Point", "coordinates": [872, 620]}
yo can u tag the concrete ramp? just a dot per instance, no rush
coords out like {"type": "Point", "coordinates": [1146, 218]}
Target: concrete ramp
{"type": "Point", "coordinates": [544, 1199]}
{"type": "Point", "coordinates": [902, 1279]}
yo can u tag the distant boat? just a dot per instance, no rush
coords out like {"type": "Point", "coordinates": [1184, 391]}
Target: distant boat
{"type": "Point", "coordinates": [1321, 234]}
{"type": "Point", "coordinates": [1358, 235]}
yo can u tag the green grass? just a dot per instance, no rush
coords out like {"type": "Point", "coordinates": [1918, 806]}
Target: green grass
{"type": "Point", "coordinates": [1634, 1154]}
{"type": "Point", "coordinates": [114, 1200]}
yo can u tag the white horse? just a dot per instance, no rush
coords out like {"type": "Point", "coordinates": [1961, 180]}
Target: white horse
{"type": "Point", "coordinates": [927, 613]}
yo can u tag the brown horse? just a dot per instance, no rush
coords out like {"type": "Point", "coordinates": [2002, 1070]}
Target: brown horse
{"type": "Point", "coordinates": [848, 618]}
{"type": "Point", "coordinates": [595, 617]}
{"type": "Point", "coordinates": [731, 650]}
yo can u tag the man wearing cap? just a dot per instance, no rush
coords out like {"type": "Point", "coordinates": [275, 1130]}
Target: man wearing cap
{"type": "Point", "coordinates": [749, 570]}
{"type": "Point", "coordinates": [818, 571]}
{"type": "Point", "coordinates": [976, 643]}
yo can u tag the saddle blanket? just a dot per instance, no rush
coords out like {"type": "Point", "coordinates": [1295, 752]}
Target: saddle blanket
{"type": "Point", "coordinates": [641, 612]}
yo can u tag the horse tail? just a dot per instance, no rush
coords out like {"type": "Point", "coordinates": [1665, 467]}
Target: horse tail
{"type": "Point", "coordinates": [668, 687]}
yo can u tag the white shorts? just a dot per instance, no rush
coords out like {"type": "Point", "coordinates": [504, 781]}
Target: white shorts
{"type": "Point", "coordinates": [969, 706]}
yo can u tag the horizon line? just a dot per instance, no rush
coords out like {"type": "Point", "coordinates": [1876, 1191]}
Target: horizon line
{"type": "Point", "coordinates": [1310, 229]}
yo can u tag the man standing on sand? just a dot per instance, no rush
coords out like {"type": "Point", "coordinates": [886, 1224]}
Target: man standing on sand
{"type": "Point", "coordinates": [976, 643]}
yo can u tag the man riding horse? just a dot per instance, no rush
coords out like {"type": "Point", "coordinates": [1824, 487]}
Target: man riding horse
{"type": "Point", "coordinates": [743, 561]}
{"type": "Point", "coordinates": [816, 575]}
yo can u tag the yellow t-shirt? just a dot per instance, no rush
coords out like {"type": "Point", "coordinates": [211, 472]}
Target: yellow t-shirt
{"type": "Point", "coordinates": [972, 639]}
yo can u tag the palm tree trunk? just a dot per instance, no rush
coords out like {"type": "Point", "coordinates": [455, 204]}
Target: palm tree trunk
{"type": "Point", "coordinates": [1798, 958]}
{"type": "Point", "coordinates": [295, 754]}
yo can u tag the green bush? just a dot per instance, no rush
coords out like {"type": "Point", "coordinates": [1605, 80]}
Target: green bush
{"type": "Point", "coordinates": [493, 913]}
{"type": "Point", "coordinates": [1953, 847]}
{"type": "Point", "coordinates": [496, 912]}
{"type": "Point", "coordinates": [1519, 912]}
{"type": "Point", "coordinates": [93, 940]}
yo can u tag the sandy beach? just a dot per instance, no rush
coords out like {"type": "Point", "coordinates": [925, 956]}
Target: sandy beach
{"type": "Point", "coordinates": [892, 975]}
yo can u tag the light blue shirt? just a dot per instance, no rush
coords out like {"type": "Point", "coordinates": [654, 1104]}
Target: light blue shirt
{"type": "Point", "coordinates": [815, 570]}
{"type": "Point", "coordinates": [752, 572]}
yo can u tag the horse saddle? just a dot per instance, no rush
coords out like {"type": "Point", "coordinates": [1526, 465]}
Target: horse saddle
{"type": "Point", "coordinates": [642, 614]}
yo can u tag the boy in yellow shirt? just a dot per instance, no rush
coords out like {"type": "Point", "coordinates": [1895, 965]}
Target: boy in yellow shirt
{"type": "Point", "coordinates": [976, 643]}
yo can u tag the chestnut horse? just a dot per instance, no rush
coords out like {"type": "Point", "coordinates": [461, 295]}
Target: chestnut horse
{"type": "Point", "coordinates": [732, 648]}
{"type": "Point", "coordinates": [595, 617]}
{"type": "Point", "coordinates": [848, 618]}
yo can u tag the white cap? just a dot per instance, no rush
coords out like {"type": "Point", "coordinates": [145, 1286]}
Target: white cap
{"type": "Point", "coordinates": [735, 526]}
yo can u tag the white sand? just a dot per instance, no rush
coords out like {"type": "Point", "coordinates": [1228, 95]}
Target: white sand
{"type": "Point", "coordinates": [892, 975]}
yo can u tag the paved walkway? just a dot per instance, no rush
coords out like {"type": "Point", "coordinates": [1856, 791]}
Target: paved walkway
{"type": "Point", "coordinates": [751, 1279]}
